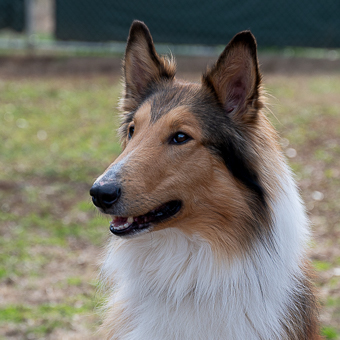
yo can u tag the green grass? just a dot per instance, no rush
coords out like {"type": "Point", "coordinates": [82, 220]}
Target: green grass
{"type": "Point", "coordinates": [330, 333]}
{"type": "Point", "coordinates": [57, 128]}
{"type": "Point", "coordinates": [58, 135]}
{"type": "Point", "coordinates": [322, 265]}
{"type": "Point", "coordinates": [45, 318]}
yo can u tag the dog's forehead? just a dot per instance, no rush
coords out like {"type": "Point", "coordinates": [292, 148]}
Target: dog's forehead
{"type": "Point", "coordinates": [173, 118]}
{"type": "Point", "coordinates": [168, 98]}
{"type": "Point", "coordinates": [189, 101]}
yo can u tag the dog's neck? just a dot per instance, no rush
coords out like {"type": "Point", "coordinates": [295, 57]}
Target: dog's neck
{"type": "Point", "coordinates": [171, 283]}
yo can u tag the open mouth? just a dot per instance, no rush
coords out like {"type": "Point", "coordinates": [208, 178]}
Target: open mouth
{"type": "Point", "coordinates": [130, 225]}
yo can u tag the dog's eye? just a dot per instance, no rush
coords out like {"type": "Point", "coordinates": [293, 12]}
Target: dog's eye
{"type": "Point", "coordinates": [179, 138]}
{"type": "Point", "coordinates": [131, 131]}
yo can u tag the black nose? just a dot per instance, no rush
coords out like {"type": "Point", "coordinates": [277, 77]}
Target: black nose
{"type": "Point", "coordinates": [104, 196]}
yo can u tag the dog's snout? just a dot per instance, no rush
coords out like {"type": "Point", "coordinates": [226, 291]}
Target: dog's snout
{"type": "Point", "coordinates": [104, 196]}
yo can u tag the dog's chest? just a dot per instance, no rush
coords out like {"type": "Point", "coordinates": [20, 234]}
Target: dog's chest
{"type": "Point", "coordinates": [169, 288]}
{"type": "Point", "coordinates": [155, 317]}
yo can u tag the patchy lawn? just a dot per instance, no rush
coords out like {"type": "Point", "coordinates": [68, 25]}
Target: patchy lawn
{"type": "Point", "coordinates": [58, 134]}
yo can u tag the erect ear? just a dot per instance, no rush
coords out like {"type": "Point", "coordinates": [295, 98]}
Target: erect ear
{"type": "Point", "coordinates": [235, 77]}
{"type": "Point", "coordinates": [142, 66]}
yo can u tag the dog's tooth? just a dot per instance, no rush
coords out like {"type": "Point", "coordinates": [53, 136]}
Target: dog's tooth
{"type": "Point", "coordinates": [120, 227]}
{"type": "Point", "coordinates": [130, 219]}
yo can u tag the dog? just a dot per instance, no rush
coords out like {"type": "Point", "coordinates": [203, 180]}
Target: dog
{"type": "Point", "coordinates": [209, 229]}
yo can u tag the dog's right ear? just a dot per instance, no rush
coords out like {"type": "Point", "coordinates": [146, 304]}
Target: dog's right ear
{"type": "Point", "coordinates": [235, 78]}
{"type": "Point", "coordinates": [143, 67]}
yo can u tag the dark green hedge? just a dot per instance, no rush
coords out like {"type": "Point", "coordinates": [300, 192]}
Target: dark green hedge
{"type": "Point", "coordinates": [312, 23]}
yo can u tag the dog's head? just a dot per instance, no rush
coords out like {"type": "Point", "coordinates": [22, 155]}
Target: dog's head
{"type": "Point", "coordinates": [190, 151]}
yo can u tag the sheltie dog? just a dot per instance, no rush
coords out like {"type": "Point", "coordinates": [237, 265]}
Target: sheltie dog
{"type": "Point", "coordinates": [209, 229]}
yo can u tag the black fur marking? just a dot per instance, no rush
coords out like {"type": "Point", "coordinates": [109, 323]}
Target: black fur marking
{"type": "Point", "coordinates": [237, 162]}
{"type": "Point", "coordinates": [225, 139]}
{"type": "Point", "coordinates": [239, 168]}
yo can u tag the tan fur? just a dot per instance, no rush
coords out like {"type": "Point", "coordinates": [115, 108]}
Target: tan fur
{"type": "Point", "coordinates": [166, 167]}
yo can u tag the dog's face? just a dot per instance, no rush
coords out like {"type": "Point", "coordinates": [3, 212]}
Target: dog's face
{"type": "Point", "coordinates": [188, 152]}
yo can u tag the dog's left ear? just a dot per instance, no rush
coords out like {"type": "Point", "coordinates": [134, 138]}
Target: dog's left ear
{"type": "Point", "coordinates": [143, 67]}
{"type": "Point", "coordinates": [235, 78]}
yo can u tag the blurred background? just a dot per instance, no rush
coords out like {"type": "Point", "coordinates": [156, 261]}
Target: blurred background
{"type": "Point", "coordinates": [60, 71]}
